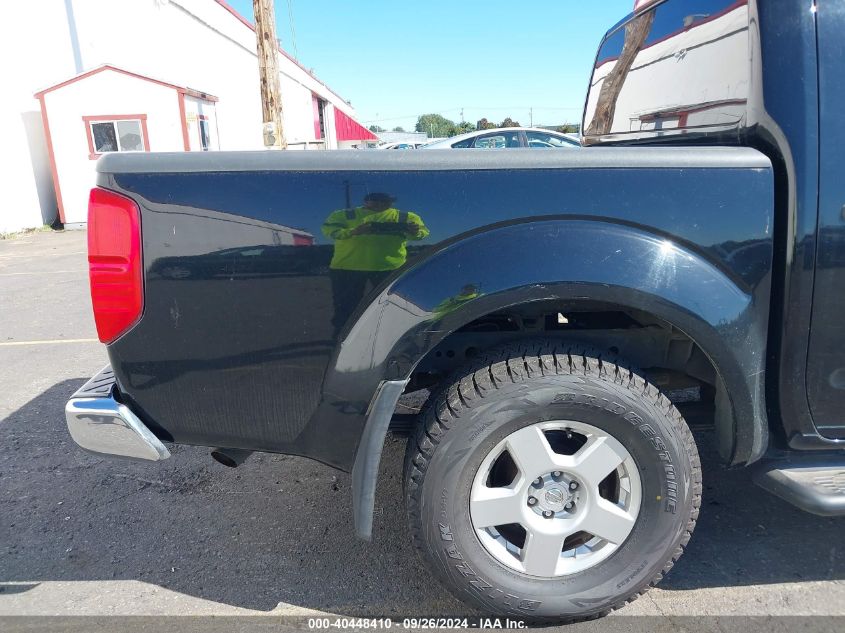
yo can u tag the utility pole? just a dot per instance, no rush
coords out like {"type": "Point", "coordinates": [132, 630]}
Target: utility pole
{"type": "Point", "coordinates": [271, 99]}
{"type": "Point", "coordinates": [531, 116]}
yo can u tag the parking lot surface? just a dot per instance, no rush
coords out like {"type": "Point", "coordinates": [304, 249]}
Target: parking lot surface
{"type": "Point", "coordinates": [80, 535]}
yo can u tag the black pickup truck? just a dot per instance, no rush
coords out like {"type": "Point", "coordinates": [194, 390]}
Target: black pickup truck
{"type": "Point", "coordinates": [561, 314]}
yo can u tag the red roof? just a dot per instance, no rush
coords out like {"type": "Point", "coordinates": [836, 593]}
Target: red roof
{"type": "Point", "coordinates": [348, 129]}
{"type": "Point", "coordinates": [188, 91]}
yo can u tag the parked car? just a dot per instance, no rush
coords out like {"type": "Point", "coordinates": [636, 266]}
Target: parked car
{"type": "Point", "coordinates": [401, 145]}
{"type": "Point", "coordinates": [506, 138]}
{"type": "Point", "coordinates": [567, 312]}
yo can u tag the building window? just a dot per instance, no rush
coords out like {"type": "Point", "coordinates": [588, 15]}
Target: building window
{"type": "Point", "coordinates": [116, 133]}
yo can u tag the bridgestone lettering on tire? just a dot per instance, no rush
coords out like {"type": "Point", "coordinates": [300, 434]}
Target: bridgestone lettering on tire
{"type": "Point", "coordinates": [550, 483]}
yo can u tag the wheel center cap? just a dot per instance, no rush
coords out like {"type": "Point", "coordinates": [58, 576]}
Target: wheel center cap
{"type": "Point", "coordinates": [556, 498]}
{"type": "Point", "coordinates": [555, 494]}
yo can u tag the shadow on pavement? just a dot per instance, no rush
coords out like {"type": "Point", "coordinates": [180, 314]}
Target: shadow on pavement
{"type": "Point", "coordinates": [279, 529]}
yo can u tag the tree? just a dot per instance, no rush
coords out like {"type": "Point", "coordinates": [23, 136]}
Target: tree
{"type": "Point", "coordinates": [462, 128]}
{"type": "Point", "coordinates": [398, 128]}
{"type": "Point", "coordinates": [484, 124]}
{"type": "Point", "coordinates": [509, 122]}
{"type": "Point", "coordinates": [569, 128]}
{"type": "Point", "coordinates": [377, 129]}
{"type": "Point", "coordinates": [435, 125]}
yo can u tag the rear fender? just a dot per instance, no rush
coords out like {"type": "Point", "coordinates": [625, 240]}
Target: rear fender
{"type": "Point", "coordinates": [564, 259]}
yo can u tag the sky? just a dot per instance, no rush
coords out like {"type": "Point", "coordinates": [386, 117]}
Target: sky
{"type": "Point", "coordinates": [397, 59]}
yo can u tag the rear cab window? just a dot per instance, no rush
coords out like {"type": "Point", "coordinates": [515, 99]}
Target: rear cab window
{"type": "Point", "coordinates": [680, 67]}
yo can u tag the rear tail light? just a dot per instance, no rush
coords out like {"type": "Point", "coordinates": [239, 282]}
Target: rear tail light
{"type": "Point", "coordinates": [114, 263]}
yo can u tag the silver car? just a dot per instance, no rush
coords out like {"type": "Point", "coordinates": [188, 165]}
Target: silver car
{"type": "Point", "coordinates": [506, 138]}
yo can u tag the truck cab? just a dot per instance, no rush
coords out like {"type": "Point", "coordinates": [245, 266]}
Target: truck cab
{"type": "Point", "coordinates": [783, 103]}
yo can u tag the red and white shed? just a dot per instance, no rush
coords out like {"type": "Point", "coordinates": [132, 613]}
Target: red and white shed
{"type": "Point", "coordinates": [109, 109]}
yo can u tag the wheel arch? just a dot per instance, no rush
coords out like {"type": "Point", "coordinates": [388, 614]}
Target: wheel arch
{"type": "Point", "coordinates": [567, 260]}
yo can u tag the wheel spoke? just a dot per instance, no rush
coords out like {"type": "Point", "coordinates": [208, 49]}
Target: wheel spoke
{"type": "Point", "coordinates": [531, 451]}
{"type": "Point", "coordinates": [598, 458]}
{"type": "Point", "coordinates": [495, 506]}
{"type": "Point", "coordinates": [542, 552]}
{"type": "Point", "coordinates": [608, 521]}
{"type": "Point", "coordinates": [552, 496]}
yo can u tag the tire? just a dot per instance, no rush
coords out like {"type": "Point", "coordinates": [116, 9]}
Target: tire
{"type": "Point", "coordinates": [573, 397]}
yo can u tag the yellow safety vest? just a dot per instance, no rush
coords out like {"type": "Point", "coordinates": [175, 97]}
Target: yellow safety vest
{"type": "Point", "coordinates": [450, 304]}
{"type": "Point", "coordinates": [370, 251]}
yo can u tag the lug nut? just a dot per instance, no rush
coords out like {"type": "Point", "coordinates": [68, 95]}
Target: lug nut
{"type": "Point", "coordinates": [556, 473]}
{"type": "Point", "coordinates": [573, 485]}
{"type": "Point", "coordinates": [538, 481]}
{"type": "Point", "coordinates": [532, 501]}
{"type": "Point", "coordinates": [569, 505]}
{"type": "Point", "coordinates": [548, 514]}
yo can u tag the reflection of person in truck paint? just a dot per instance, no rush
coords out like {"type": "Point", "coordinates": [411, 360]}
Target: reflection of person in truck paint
{"type": "Point", "coordinates": [369, 242]}
{"type": "Point", "coordinates": [450, 304]}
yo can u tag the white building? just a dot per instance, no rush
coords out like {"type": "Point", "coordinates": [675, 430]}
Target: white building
{"type": "Point", "coordinates": [168, 75]}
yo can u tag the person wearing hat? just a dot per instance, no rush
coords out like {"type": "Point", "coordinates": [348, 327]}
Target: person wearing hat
{"type": "Point", "coordinates": [369, 242]}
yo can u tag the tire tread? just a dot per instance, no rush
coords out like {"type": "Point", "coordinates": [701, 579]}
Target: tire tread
{"type": "Point", "coordinates": [517, 363]}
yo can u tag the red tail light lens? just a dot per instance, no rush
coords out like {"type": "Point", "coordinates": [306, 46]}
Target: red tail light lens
{"type": "Point", "coordinates": [114, 263]}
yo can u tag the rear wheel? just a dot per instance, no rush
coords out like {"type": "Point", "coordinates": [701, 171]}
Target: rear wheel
{"type": "Point", "coordinates": [551, 483]}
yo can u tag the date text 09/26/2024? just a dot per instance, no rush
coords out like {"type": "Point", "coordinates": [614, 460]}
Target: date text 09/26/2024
{"type": "Point", "coordinates": [412, 624]}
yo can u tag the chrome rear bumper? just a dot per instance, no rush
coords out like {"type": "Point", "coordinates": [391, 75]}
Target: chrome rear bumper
{"type": "Point", "coordinates": [102, 425]}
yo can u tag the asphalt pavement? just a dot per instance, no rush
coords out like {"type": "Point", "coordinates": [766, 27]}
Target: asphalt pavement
{"type": "Point", "coordinates": [85, 536]}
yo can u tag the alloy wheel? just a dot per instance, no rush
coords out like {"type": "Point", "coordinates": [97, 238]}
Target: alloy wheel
{"type": "Point", "coordinates": [555, 498]}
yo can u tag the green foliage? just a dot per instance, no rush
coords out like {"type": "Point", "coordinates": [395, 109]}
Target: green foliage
{"type": "Point", "coordinates": [377, 129]}
{"type": "Point", "coordinates": [435, 125]}
{"type": "Point", "coordinates": [398, 128]}
{"type": "Point", "coordinates": [484, 124]}
{"type": "Point", "coordinates": [463, 128]}
{"type": "Point", "coordinates": [569, 128]}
